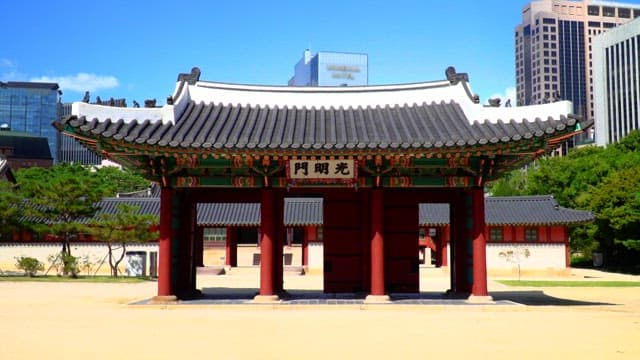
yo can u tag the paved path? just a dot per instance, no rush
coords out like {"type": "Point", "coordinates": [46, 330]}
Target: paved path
{"type": "Point", "coordinates": [95, 321]}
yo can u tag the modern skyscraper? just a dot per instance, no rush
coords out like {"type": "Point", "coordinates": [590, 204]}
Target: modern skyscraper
{"type": "Point", "coordinates": [553, 49]}
{"type": "Point", "coordinates": [331, 69]}
{"type": "Point", "coordinates": [31, 108]}
{"type": "Point", "coordinates": [70, 150]}
{"type": "Point", "coordinates": [616, 82]}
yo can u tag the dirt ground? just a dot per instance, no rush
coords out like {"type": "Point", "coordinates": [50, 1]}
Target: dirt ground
{"type": "Point", "coordinates": [96, 321]}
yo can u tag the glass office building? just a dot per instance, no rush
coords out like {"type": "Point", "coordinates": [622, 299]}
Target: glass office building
{"type": "Point", "coordinates": [70, 149]}
{"type": "Point", "coordinates": [31, 108]}
{"type": "Point", "coordinates": [553, 50]}
{"type": "Point", "coordinates": [328, 68]}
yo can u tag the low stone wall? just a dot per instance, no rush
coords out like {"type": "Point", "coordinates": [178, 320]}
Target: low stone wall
{"type": "Point", "coordinates": [95, 253]}
{"type": "Point", "coordinates": [249, 255]}
{"type": "Point", "coordinates": [548, 258]}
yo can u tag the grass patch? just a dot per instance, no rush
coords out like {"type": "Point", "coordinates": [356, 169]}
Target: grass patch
{"type": "Point", "coordinates": [79, 279]}
{"type": "Point", "coordinates": [562, 283]}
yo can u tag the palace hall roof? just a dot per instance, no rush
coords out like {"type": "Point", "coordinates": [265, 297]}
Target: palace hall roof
{"type": "Point", "coordinates": [209, 116]}
{"type": "Point", "coordinates": [513, 210]}
{"type": "Point", "coordinates": [505, 210]}
{"type": "Point", "coordinates": [297, 211]}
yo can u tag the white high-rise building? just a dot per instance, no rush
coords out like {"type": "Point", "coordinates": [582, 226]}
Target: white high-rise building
{"type": "Point", "coordinates": [616, 75]}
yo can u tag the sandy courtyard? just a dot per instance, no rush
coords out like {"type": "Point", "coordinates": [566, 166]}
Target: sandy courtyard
{"type": "Point", "coordinates": [94, 321]}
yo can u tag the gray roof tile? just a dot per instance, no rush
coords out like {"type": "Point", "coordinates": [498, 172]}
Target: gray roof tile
{"type": "Point", "coordinates": [241, 126]}
{"type": "Point", "coordinates": [508, 210]}
{"type": "Point", "coordinates": [512, 210]}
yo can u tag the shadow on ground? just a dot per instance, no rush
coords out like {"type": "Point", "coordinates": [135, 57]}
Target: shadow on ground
{"type": "Point", "coordinates": [539, 298]}
{"type": "Point", "coordinates": [218, 295]}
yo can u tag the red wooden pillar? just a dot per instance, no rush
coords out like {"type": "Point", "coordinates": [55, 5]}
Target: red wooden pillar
{"type": "Point", "coordinates": [445, 240]}
{"type": "Point", "coordinates": [199, 247]}
{"type": "Point", "coordinates": [460, 243]}
{"type": "Point", "coordinates": [377, 248]}
{"type": "Point", "coordinates": [479, 287]}
{"type": "Point", "coordinates": [165, 292]}
{"type": "Point", "coordinates": [231, 248]}
{"type": "Point", "coordinates": [305, 246]}
{"type": "Point", "coordinates": [565, 241]}
{"type": "Point", "coordinates": [267, 240]}
{"type": "Point", "coordinates": [278, 242]}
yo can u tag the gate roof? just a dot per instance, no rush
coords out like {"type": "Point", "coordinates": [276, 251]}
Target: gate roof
{"type": "Point", "coordinates": [205, 119]}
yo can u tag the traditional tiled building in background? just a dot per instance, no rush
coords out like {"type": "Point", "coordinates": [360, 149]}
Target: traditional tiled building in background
{"type": "Point", "coordinates": [23, 150]}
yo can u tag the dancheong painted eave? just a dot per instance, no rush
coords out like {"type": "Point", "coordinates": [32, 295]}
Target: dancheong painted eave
{"type": "Point", "coordinates": [209, 116]}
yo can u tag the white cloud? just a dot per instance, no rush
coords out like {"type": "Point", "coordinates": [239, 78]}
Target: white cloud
{"type": "Point", "coordinates": [11, 75]}
{"type": "Point", "coordinates": [81, 82]}
{"type": "Point", "coordinates": [9, 71]}
{"type": "Point", "coordinates": [508, 94]}
{"type": "Point", "coordinates": [6, 63]}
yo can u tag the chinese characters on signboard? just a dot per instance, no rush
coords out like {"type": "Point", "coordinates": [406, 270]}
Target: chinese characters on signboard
{"type": "Point", "coordinates": [322, 170]}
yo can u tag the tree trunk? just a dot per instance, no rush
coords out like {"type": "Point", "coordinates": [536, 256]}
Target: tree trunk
{"type": "Point", "coordinates": [114, 268]}
{"type": "Point", "coordinates": [124, 250]}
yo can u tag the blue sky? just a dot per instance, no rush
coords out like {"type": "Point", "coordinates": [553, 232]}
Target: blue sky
{"type": "Point", "coordinates": [135, 49]}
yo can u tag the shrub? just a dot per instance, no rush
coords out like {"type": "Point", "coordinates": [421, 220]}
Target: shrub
{"type": "Point", "coordinates": [65, 264]}
{"type": "Point", "coordinates": [29, 265]}
{"type": "Point", "coordinates": [71, 267]}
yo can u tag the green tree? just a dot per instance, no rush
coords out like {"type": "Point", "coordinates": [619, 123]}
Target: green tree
{"type": "Point", "coordinates": [11, 209]}
{"type": "Point", "coordinates": [127, 225]}
{"type": "Point", "coordinates": [61, 198]}
{"type": "Point", "coordinates": [616, 202]}
{"type": "Point", "coordinates": [114, 180]}
{"type": "Point", "coordinates": [570, 178]}
{"type": "Point", "coordinates": [513, 183]}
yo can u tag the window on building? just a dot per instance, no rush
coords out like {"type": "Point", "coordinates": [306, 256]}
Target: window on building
{"type": "Point", "coordinates": [624, 13]}
{"type": "Point", "coordinates": [594, 24]}
{"type": "Point", "coordinates": [496, 234]}
{"type": "Point", "coordinates": [608, 25]}
{"type": "Point", "coordinates": [548, 21]}
{"type": "Point", "coordinates": [636, 13]}
{"type": "Point", "coordinates": [531, 234]}
{"type": "Point", "coordinates": [594, 10]}
{"type": "Point", "coordinates": [608, 11]}
{"type": "Point", "coordinates": [214, 234]}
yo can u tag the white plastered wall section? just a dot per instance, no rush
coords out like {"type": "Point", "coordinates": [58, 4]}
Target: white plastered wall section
{"type": "Point", "coordinates": [95, 253]}
{"type": "Point", "coordinates": [541, 256]}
